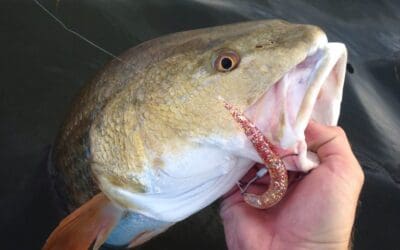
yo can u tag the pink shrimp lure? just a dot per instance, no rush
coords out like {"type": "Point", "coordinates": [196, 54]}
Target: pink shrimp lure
{"type": "Point", "coordinates": [275, 165]}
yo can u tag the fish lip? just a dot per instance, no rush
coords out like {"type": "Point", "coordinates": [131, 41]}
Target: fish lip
{"type": "Point", "coordinates": [324, 66]}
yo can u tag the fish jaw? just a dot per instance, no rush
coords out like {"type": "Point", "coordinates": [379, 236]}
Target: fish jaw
{"type": "Point", "coordinates": [310, 90]}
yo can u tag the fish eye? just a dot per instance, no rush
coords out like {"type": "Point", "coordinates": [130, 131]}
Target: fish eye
{"type": "Point", "coordinates": [226, 60]}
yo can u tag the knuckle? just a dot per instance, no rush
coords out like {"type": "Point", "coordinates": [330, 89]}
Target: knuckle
{"type": "Point", "coordinates": [357, 173]}
{"type": "Point", "coordinates": [360, 175]}
{"type": "Point", "coordinates": [340, 131]}
{"type": "Point", "coordinates": [341, 135]}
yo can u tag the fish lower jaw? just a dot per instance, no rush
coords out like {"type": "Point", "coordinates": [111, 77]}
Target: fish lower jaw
{"type": "Point", "coordinates": [312, 90]}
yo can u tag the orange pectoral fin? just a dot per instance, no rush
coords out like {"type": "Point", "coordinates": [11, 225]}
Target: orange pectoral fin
{"type": "Point", "coordinates": [87, 226]}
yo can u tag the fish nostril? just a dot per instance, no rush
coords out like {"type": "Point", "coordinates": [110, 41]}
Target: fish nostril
{"type": "Point", "coordinates": [266, 44]}
{"type": "Point", "coordinates": [349, 68]}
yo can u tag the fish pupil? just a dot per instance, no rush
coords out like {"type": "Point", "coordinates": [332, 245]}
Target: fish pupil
{"type": "Point", "coordinates": [226, 63]}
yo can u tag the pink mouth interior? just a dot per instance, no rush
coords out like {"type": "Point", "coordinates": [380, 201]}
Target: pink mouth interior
{"type": "Point", "coordinates": [285, 110]}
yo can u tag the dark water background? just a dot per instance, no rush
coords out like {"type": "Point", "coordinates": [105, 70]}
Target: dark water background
{"type": "Point", "coordinates": [42, 66]}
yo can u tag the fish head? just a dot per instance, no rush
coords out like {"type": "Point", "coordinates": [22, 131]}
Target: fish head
{"type": "Point", "coordinates": [280, 74]}
{"type": "Point", "coordinates": [169, 132]}
{"type": "Point", "coordinates": [288, 74]}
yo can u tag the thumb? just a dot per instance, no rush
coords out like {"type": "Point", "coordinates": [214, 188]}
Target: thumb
{"type": "Point", "coordinates": [327, 140]}
{"type": "Point", "coordinates": [334, 150]}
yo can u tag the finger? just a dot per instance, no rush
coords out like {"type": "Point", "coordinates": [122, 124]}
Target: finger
{"type": "Point", "coordinates": [327, 140]}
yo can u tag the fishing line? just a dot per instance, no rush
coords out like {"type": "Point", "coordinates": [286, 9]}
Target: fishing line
{"type": "Point", "coordinates": [76, 33]}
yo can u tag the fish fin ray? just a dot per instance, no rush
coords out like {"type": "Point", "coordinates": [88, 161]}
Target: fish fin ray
{"type": "Point", "coordinates": [87, 226]}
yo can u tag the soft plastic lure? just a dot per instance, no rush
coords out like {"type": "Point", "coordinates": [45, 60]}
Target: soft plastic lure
{"type": "Point", "coordinates": [274, 163]}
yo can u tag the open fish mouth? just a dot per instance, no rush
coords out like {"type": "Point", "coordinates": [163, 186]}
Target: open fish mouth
{"type": "Point", "coordinates": [310, 90]}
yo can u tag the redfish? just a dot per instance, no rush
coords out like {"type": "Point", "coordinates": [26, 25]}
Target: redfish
{"type": "Point", "coordinates": [149, 141]}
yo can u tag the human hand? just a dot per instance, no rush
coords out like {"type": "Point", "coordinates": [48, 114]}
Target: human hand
{"type": "Point", "coordinates": [318, 209]}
